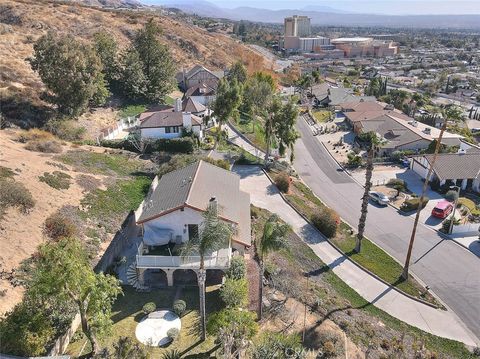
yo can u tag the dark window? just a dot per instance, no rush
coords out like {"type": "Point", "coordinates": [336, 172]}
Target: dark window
{"type": "Point", "coordinates": [175, 129]}
{"type": "Point", "coordinates": [192, 231]}
{"type": "Point", "coordinates": [167, 129]}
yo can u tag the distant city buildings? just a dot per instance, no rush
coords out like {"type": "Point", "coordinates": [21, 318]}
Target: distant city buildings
{"type": "Point", "coordinates": [297, 26]}
{"type": "Point", "coordinates": [297, 39]}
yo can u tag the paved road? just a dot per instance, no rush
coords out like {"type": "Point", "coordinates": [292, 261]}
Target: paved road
{"type": "Point", "coordinates": [442, 323]}
{"type": "Point", "coordinates": [452, 272]}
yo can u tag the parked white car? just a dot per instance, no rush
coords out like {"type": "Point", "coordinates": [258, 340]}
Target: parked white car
{"type": "Point", "coordinates": [379, 198]}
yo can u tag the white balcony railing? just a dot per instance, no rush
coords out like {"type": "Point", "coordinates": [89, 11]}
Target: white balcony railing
{"type": "Point", "coordinates": [219, 260]}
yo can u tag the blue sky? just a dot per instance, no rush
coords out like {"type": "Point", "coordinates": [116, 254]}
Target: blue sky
{"type": "Point", "coordinates": [394, 7]}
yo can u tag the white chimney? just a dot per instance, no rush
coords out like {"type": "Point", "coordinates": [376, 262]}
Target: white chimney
{"type": "Point", "coordinates": [187, 120]}
{"type": "Point", "coordinates": [178, 105]}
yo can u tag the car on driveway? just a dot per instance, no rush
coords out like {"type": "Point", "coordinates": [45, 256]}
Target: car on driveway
{"type": "Point", "coordinates": [442, 209]}
{"type": "Point", "coordinates": [379, 197]}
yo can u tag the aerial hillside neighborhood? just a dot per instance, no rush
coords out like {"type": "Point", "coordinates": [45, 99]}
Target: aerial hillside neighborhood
{"type": "Point", "coordinates": [179, 182]}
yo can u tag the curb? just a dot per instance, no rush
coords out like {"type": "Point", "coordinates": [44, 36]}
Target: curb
{"type": "Point", "coordinates": [347, 257]}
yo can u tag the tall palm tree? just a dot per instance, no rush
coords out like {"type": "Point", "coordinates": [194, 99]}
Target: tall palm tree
{"type": "Point", "coordinates": [214, 234]}
{"type": "Point", "coordinates": [274, 237]}
{"type": "Point", "coordinates": [373, 143]}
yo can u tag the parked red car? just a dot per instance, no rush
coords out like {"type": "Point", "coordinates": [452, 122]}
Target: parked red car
{"type": "Point", "coordinates": [442, 209]}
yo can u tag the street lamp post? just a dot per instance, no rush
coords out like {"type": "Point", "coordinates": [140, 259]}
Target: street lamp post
{"type": "Point", "coordinates": [454, 208]}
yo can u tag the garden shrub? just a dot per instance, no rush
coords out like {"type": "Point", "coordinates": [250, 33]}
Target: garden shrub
{"type": "Point", "coordinates": [149, 307]}
{"type": "Point", "coordinates": [173, 333]}
{"type": "Point", "coordinates": [177, 145]}
{"type": "Point", "coordinates": [179, 307]}
{"type": "Point", "coordinates": [354, 160]}
{"type": "Point", "coordinates": [14, 194]}
{"type": "Point", "coordinates": [282, 180]}
{"type": "Point", "coordinates": [451, 196]}
{"type": "Point", "coordinates": [219, 163]}
{"type": "Point", "coordinates": [397, 184]}
{"type": "Point", "coordinates": [237, 269]}
{"type": "Point", "coordinates": [58, 226]}
{"type": "Point", "coordinates": [446, 224]}
{"type": "Point", "coordinates": [124, 144]}
{"type": "Point", "coordinates": [413, 203]}
{"type": "Point", "coordinates": [56, 179]}
{"type": "Point", "coordinates": [45, 146]}
{"type": "Point", "coordinates": [234, 292]}
{"type": "Point", "coordinates": [326, 221]}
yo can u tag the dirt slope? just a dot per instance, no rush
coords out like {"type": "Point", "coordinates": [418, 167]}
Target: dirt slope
{"type": "Point", "coordinates": [22, 22]}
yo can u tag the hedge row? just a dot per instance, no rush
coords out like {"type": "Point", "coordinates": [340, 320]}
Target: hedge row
{"type": "Point", "coordinates": [177, 145]}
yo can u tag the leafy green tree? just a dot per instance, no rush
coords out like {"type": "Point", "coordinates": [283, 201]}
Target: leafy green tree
{"type": "Point", "coordinates": [234, 329]}
{"type": "Point", "coordinates": [277, 346]}
{"type": "Point", "coordinates": [284, 128]}
{"type": "Point", "coordinates": [274, 237]}
{"type": "Point", "coordinates": [214, 234]}
{"type": "Point", "coordinates": [238, 72]}
{"type": "Point", "coordinates": [257, 94]}
{"type": "Point", "coordinates": [127, 348]}
{"type": "Point", "coordinates": [132, 79]}
{"type": "Point", "coordinates": [228, 99]}
{"type": "Point", "coordinates": [26, 330]}
{"type": "Point", "coordinates": [71, 71]}
{"type": "Point", "coordinates": [63, 272]}
{"type": "Point", "coordinates": [158, 66]}
{"type": "Point", "coordinates": [237, 269]}
{"type": "Point", "coordinates": [107, 50]}
{"type": "Point", "coordinates": [234, 292]}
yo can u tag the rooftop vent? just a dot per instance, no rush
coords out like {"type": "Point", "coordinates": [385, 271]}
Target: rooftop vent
{"type": "Point", "coordinates": [462, 151]}
{"type": "Point", "coordinates": [413, 123]}
{"type": "Point", "coordinates": [428, 131]}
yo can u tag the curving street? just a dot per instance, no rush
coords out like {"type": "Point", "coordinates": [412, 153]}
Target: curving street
{"type": "Point", "coordinates": [452, 272]}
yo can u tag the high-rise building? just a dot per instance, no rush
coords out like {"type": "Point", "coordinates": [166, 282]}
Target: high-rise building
{"type": "Point", "coordinates": [297, 26]}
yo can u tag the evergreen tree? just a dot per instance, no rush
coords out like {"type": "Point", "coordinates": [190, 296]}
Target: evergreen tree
{"type": "Point", "coordinates": [71, 71]}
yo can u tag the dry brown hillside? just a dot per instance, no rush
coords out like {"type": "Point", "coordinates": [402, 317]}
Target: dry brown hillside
{"type": "Point", "coordinates": [23, 21]}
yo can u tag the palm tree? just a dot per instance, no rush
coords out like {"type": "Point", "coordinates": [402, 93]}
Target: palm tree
{"type": "Point", "coordinates": [274, 237]}
{"type": "Point", "coordinates": [214, 234]}
{"type": "Point", "coordinates": [373, 143]}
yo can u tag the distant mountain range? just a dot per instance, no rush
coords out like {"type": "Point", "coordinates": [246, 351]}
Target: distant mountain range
{"type": "Point", "coordinates": [325, 15]}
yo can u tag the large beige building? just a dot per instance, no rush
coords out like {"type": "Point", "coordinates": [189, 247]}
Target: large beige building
{"type": "Point", "coordinates": [364, 47]}
{"type": "Point", "coordinates": [297, 26]}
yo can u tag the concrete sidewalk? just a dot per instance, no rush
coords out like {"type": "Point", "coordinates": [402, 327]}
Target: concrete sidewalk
{"type": "Point", "coordinates": [438, 322]}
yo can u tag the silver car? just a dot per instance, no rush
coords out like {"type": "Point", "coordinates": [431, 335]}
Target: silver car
{"type": "Point", "coordinates": [379, 198]}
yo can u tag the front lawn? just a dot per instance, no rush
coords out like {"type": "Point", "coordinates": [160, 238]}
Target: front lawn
{"type": "Point", "coordinates": [127, 313]}
{"type": "Point", "coordinates": [371, 256]}
{"type": "Point", "coordinates": [321, 116]}
{"type": "Point", "coordinates": [253, 130]}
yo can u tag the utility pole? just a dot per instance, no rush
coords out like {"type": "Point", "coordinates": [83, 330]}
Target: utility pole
{"type": "Point", "coordinates": [422, 198]}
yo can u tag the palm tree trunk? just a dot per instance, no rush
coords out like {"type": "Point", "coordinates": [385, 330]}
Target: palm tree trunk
{"type": "Point", "coordinates": [420, 205]}
{"type": "Point", "coordinates": [201, 290]}
{"type": "Point", "coordinates": [261, 270]}
{"type": "Point", "coordinates": [365, 198]}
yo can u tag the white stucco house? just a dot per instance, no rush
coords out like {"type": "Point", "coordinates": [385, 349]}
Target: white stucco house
{"type": "Point", "coordinates": [168, 122]}
{"type": "Point", "coordinates": [172, 214]}
{"type": "Point", "coordinates": [457, 169]}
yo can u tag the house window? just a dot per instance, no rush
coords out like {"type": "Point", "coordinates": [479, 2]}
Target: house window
{"type": "Point", "coordinates": [175, 129]}
{"type": "Point", "coordinates": [168, 129]}
{"type": "Point", "coordinates": [192, 231]}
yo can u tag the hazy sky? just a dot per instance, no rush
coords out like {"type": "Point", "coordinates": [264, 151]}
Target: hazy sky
{"type": "Point", "coordinates": [394, 7]}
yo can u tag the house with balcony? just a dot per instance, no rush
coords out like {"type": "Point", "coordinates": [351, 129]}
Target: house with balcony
{"type": "Point", "coordinates": [172, 214]}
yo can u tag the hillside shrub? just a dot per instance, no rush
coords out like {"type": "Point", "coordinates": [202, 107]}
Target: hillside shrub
{"type": "Point", "coordinates": [67, 130]}
{"type": "Point", "coordinates": [237, 269]}
{"type": "Point", "coordinates": [413, 203]}
{"type": "Point", "coordinates": [6, 172]}
{"type": "Point", "coordinates": [45, 146]}
{"type": "Point", "coordinates": [282, 180]}
{"type": "Point", "coordinates": [149, 307]}
{"type": "Point", "coordinates": [124, 144]}
{"type": "Point", "coordinates": [33, 135]}
{"type": "Point", "coordinates": [14, 194]}
{"type": "Point", "coordinates": [179, 307]}
{"type": "Point", "coordinates": [56, 179]}
{"type": "Point", "coordinates": [58, 226]}
{"type": "Point", "coordinates": [326, 221]}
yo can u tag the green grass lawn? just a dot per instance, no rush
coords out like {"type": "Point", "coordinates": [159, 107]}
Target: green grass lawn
{"type": "Point", "coordinates": [127, 313]}
{"type": "Point", "coordinates": [321, 116]}
{"type": "Point", "coordinates": [131, 110]}
{"type": "Point", "coordinates": [253, 130]}
{"type": "Point", "coordinates": [371, 256]}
